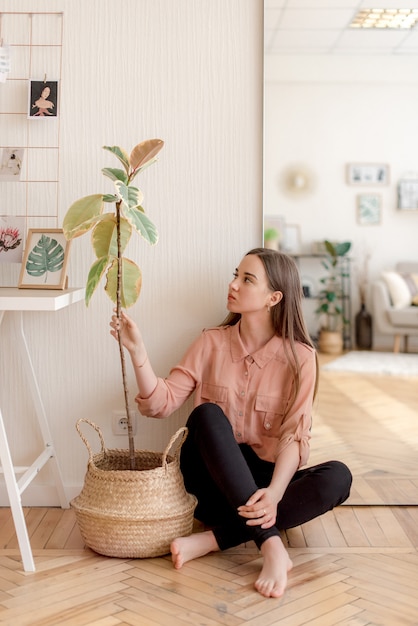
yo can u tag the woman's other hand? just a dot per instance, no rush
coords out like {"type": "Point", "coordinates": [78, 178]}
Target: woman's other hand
{"type": "Point", "coordinates": [260, 510]}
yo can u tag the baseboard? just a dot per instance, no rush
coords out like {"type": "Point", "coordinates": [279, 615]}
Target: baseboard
{"type": "Point", "coordinates": [41, 495]}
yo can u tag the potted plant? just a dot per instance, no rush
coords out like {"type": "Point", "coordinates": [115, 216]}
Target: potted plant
{"type": "Point", "coordinates": [121, 512]}
{"type": "Point", "coordinates": [111, 232]}
{"type": "Point", "coordinates": [271, 238]}
{"type": "Point", "coordinates": [331, 307]}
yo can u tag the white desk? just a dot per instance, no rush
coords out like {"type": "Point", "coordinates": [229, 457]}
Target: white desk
{"type": "Point", "coordinates": [14, 302]}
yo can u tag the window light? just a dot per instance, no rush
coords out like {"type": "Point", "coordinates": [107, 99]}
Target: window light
{"type": "Point", "coordinates": [385, 18]}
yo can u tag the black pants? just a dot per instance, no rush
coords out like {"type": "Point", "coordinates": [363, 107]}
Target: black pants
{"type": "Point", "coordinates": [223, 474]}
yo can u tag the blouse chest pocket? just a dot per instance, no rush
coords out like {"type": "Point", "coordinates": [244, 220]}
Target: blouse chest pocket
{"type": "Point", "coordinates": [214, 393]}
{"type": "Point", "coordinates": [270, 411]}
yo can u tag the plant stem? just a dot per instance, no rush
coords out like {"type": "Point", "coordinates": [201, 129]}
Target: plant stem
{"type": "Point", "coordinates": [121, 350]}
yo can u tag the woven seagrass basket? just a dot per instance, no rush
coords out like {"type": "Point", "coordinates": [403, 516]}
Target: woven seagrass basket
{"type": "Point", "coordinates": [133, 513]}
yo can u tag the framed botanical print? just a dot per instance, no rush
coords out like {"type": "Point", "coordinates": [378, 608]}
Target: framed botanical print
{"type": "Point", "coordinates": [45, 259]}
{"type": "Point", "coordinates": [369, 209]}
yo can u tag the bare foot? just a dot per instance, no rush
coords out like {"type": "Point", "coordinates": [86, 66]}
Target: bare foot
{"type": "Point", "coordinates": [273, 577]}
{"type": "Point", "coordinates": [185, 549]}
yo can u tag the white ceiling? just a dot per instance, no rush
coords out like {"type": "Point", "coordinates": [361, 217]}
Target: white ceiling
{"type": "Point", "coordinates": [309, 27]}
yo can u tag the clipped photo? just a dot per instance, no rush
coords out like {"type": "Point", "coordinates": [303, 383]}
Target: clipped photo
{"type": "Point", "coordinates": [43, 98]}
{"type": "Point", "coordinates": [11, 238]}
{"type": "Point", "coordinates": [11, 164]}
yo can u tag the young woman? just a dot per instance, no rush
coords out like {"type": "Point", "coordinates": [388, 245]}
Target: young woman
{"type": "Point", "coordinates": [254, 379]}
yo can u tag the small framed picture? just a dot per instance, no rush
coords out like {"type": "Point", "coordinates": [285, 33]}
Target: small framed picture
{"type": "Point", "coordinates": [367, 174]}
{"type": "Point", "coordinates": [292, 239]}
{"type": "Point", "coordinates": [408, 194]}
{"type": "Point", "coordinates": [44, 264]}
{"type": "Point", "coordinates": [369, 208]}
{"type": "Point", "coordinates": [43, 99]}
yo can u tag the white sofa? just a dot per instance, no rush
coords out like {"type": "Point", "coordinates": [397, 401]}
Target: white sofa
{"type": "Point", "coordinates": [392, 303]}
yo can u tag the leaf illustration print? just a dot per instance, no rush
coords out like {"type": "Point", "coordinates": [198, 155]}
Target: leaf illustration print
{"type": "Point", "coordinates": [46, 256]}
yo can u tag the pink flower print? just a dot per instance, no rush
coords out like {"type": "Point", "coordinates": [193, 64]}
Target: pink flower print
{"type": "Point", "coordinates": [9, 239]}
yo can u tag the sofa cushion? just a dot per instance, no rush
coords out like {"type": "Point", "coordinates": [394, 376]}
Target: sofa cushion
{"type": "Point", "coordinates": [398, 289]}
{"type": "Point", "coordinates": [412, 282]}
{"type": "Point", "coordinates": [402, 287]}
{"type": "Point", "coordinates": [404, 317]}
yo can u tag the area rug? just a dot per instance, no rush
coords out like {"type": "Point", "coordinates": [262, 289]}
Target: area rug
{"type": "Point", "coordinates": [384, 363]}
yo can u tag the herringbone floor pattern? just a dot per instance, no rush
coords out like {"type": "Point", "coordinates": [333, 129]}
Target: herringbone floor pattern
{"type": "Point", "coordinates": [370, 423]}
{"type": "Point", "coordinates": [354, 566]}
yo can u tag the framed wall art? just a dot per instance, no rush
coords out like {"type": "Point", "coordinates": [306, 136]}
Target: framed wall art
{"type": "Point", "coordinates": [367, 174]}
{"type": "Point", "coordinates": [292, 242]}
{"type": "Point", "coordinates": [369, 207]}
{"type": "Point", "coordinates": [44, 264]}
{"type": "Point", "coordinates": [408, 194]}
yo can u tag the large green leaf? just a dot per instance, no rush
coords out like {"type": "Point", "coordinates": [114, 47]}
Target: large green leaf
{"type": "Point", "coordinates": [129, 195]}
{"type": "Point", "coordinates": [343, 248]}
{"type": "Point", "coordinates": [121, 154]}
{"type": "Point", "coordinates": [104, 236]}
{"type": "Point", "coordinates": [135, 197]}
{"type": "Point", "coordinates": [144, 152]}
{"type": "Point", "coordinates": [115, 174]}
{"type": "Point", "coordinates": [95, 274]}
{"type": "Point", "coordinates": [82, 215]}
{"type": "Point", "coordinates": [141, 223]}
{"type": "Point", "coordinates": [122, 191]}
{"type": "Point", "coordinates": [130, 285]}
{"type": "Point", "coordinates": [337, 249]}
{"type": "Point", "coordinates": [46, 256]}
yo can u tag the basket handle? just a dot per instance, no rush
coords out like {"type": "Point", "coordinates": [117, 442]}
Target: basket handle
{"type": "Point", "coordinates": [86, 443]}
{"type": "Point", "coordinates": [181, 431]}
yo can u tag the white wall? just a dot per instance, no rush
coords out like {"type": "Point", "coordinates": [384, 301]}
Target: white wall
{"type": "Point", "coordinates": [190, 73]}
{"type": "Point", "coordinates": [324, 112]}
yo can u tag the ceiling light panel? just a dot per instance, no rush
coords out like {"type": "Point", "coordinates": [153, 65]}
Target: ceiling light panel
{"type": "Point", "coordinates": [385, 18]}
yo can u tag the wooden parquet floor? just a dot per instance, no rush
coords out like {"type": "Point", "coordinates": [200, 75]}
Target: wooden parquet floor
{"type": "Point", "coordinates": [354, 566]}
{"type": "Point", "coordinates": [370, 423]}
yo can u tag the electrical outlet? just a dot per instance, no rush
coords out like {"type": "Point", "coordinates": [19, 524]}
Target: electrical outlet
{"type": "Point", "coordinates": [120, 422]}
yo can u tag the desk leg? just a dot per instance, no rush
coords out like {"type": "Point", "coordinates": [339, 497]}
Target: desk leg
{"type": "Point", "coordinates": [13, 492]}
{"type": "Point", "coordinates": [15, 488]}
{"type": "Point", "coordinates": [39, 406]}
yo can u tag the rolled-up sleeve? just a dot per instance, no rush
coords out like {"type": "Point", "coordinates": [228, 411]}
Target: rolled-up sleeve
{"type": "Point", "coordinates": [298, 422]}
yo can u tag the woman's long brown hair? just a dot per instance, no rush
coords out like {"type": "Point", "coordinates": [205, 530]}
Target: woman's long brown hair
{"type": "Point", "coordinates": [287, 316]}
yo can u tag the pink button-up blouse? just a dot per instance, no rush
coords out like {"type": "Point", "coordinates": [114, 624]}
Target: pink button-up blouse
{"type": "Point", "coordinates": [253, 390]}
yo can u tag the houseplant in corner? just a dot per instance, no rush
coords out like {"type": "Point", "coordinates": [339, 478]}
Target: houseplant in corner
{"type": "Point", "coordinates": [122, 512]}
{"type": "Point", "coordinates": [331, 306]}
{"type": "Point", "coordinates": [271, 238]}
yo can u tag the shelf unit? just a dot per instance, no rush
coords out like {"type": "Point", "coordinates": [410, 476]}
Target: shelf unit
{"type": "Point", "coordinates": [309, 260]}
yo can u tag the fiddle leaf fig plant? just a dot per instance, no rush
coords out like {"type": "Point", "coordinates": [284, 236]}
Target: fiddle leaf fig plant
{"type": "Point", "coordinates": [111, 233]}
{"type": "Point", "coordinates": [330, 308]}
